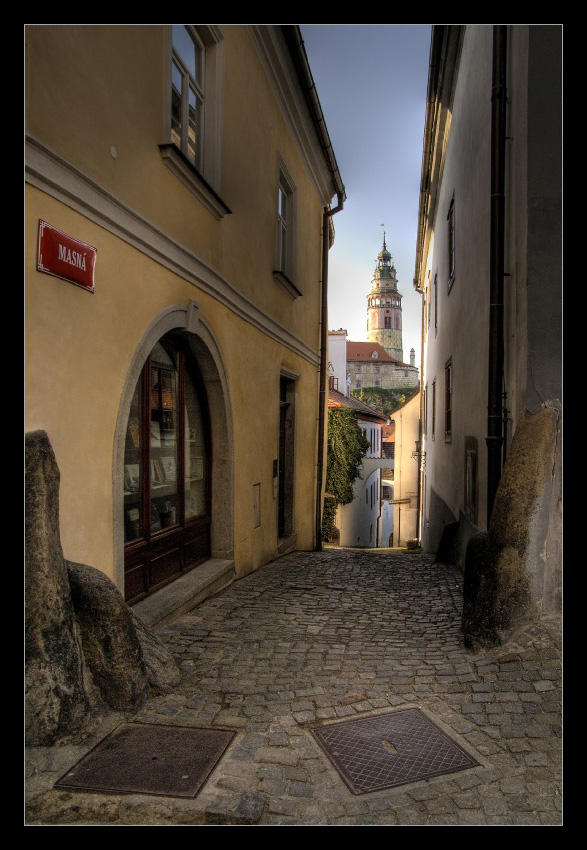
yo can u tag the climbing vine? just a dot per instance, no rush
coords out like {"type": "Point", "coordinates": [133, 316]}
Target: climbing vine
{"type": "Point", "coordinates": [346, 447]}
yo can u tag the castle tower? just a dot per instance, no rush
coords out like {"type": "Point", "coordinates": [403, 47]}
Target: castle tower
{"type": "Point", "coordinates": [384, 307]}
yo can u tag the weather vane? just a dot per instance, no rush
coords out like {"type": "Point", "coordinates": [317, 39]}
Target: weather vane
{"type": "Point", "coordinates": [383, 226]}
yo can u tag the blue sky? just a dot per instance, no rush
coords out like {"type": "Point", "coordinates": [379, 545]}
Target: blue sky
{"type": "Point", "coordinates": [371, 81]}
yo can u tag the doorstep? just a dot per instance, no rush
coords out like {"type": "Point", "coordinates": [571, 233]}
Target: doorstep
{"type": "Point", "coordinates": [178, 598]}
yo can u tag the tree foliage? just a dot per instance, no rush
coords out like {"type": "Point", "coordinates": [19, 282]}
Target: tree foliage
{"type": "Point", "coordinates": [346, 448]}
{"type": "Point", "coordinates": [385, 401]}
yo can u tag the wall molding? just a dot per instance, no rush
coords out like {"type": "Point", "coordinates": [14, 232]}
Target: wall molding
{"type": "Point", "coordinates": [278, 65]}
{"type": "Point", "coordinates": [53, 175]}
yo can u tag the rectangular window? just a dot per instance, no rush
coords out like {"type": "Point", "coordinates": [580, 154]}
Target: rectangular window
{"type": "Point", "coordinates": [471, 480]}
{"type": "Point", "coordinates": [194, 143]}
{"type": "Point", "coordinates": [436, 302]}
{"type": "Point", "coordinates": [282, 224]}
{"type": "Point", "coordinates": [425, 405]}
{"type": "Point", "coordinates": [433, 408]}
{"type": "Point", "coordinates": [285, 247]}
{"type": "Point", "coordinates": [448, 382]}
{"type": "Point", "coordinates": [451, 243]}
{"type": "Point", "coordinates": [187, 92]}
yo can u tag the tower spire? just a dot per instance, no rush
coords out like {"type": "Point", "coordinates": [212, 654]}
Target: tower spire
{"type": "Point", "coordinates": [384, 308]}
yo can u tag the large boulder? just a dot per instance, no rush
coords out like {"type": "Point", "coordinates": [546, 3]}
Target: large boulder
{"type": "Point", "coordinates": [525, 511]}
{"type": "Point", "coordinates": [125, 659]}
{"type": "Point", "coordinates": [111, 648]}
{"type": "Point", "coordinates": [512, 571]}
{"type": "Point", "coordinates": [56, 701]}
{"type": "Point", "coordinates": [85, 648]}
{"type": "Point", "coordinates": [160, 666]}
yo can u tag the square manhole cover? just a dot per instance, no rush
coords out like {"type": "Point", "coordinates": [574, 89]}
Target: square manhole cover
{"type": "Point", "coordinates": [386, 750]}
{"type": "Point", "coordinates": [149, 758]}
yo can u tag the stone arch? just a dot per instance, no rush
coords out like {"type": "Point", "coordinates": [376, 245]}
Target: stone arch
{"type": "Point", "coordinates": [202, 343]}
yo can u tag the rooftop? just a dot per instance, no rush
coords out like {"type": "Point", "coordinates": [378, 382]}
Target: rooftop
{"type": "Point", "coordinates": [337, 400]}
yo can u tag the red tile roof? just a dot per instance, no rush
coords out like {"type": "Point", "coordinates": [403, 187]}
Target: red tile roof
{"type": "Point", "coordinates": [364, 350]}
{"type": "Point", "coordinates": [388, 432]}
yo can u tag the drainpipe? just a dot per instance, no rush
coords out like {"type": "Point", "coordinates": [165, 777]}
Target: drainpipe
{"type": "Point", "coordinates": [295, 43]}
{"type": "Point", "coordinates": [328, 213]}
{"type": "Point", "coordinates": [423, 401]}
{"type": "Point", "coordinates": [494, 437]}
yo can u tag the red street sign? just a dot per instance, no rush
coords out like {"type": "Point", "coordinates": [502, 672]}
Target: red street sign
{"type": "Point", "coordinates": [63, 256]}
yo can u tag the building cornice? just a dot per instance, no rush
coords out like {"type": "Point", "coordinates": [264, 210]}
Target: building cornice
{"type": "Point", "coordinates": [445, 53]}
{"type": "Point", "coordinates": [51, 174]}
{"type": "Point", "coordinates": [283, 57]}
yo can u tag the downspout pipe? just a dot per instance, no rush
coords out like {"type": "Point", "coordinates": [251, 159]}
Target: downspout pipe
{"type": "Point", "coordinates": [326, 217]}
{"type": "Point", "coordinates": [293, 38]}
{"type": "Point", "coordinates": [494, 437]}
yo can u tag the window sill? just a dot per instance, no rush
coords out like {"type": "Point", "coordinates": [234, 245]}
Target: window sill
{"type": "Point", "coordinates": [286, 284]}
{"type": "Point", "coordinates": [178, 163]}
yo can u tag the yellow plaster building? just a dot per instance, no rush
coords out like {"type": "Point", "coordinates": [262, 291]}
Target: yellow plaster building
{"type": "Point", "coordinates": [182, 384]}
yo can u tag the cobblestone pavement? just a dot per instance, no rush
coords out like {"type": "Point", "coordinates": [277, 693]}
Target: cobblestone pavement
{"type": "Point", "coordinates": [321, 636]}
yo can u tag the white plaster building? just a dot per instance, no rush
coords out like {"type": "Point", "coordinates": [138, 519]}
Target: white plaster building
{"type": "Point", "coordinates": [405, 490]}
{"type": "Point", "coordinates": [358, 522]}
{"type": "Point", "coordinates": [489, 267]}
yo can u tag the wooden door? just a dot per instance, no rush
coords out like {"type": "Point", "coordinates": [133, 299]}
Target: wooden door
{"type": "Point", "coordinates": [167, 486]}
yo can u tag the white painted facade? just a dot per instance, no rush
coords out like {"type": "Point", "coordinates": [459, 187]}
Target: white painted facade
{"type": "Point", "coordinates": [454, 271]}
{"type": "Point", "coordinates": [405, 491]}
{"type": "Point", "coordinates": [337, 364]}
{"type": "Point", "coordinates": [358, 522]}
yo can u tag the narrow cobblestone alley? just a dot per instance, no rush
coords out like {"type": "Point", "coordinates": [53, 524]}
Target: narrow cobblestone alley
{"type": "Point", "coordinates": [319, 637]}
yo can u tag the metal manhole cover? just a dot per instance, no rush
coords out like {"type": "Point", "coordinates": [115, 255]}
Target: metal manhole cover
{"type": "Point", "coordinates": [148, 758]}
{"type": "Point", "coordinates": [386, 750]}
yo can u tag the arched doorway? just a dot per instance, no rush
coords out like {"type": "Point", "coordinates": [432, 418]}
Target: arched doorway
{"type": "Point", "coordinates": [167, 464]}
{"type": "Point", "coordinates": [187, 331]}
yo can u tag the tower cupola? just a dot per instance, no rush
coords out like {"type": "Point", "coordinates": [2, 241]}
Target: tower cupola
{"type": "Point", "coordinates": [384, 308]}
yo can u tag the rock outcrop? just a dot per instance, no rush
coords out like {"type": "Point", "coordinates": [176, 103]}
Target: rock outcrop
{"type": "Point", "coordinates": [55, 696]}
{"type": "Point", "coordinates": [85, 649]}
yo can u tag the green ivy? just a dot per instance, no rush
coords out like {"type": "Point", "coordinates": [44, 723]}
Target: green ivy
{"type": "Point", "coordinates": [346, 448]}
{"type": "Point", "coordinates": [385, 401]}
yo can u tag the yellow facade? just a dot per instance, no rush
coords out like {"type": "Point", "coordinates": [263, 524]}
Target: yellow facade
{"type": "Point", "coordinates": [97, 112]}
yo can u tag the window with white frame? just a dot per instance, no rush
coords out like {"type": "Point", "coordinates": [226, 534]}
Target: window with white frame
{"type": "Point", "coordinates": [425, 406]}
{"type": "Point", "coordinates": [451, 243]}
{"type": "Point", "coordinates": [193, 151]}
{"type": "Point", "coordinates": [285, 248]}
{"type": "Point", "coordinates": [187, 91]}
